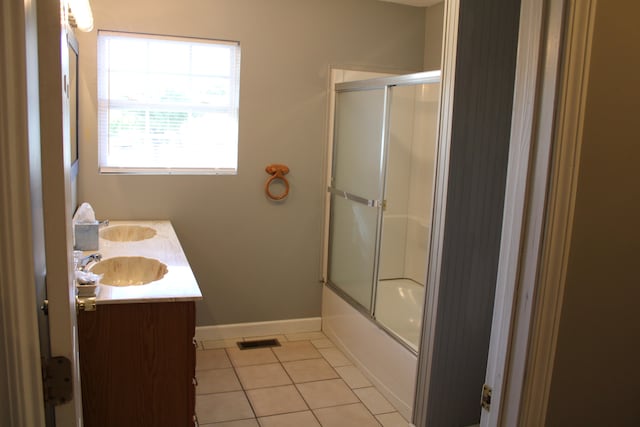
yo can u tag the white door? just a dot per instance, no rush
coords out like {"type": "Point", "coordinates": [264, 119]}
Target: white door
{"type": "Point", "coordinates": [35, 207]}
{"type": "Point", "coordinates": [56, 190]}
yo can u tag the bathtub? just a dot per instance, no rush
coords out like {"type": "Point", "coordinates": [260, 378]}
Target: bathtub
{"type": "Point", "coordinates": [399, 305]}
{"type": "Point", "coordinates": [388, 364]}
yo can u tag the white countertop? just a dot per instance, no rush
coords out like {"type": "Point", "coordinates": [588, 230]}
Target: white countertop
{"type": "Point", "coordinates": [179, 284]}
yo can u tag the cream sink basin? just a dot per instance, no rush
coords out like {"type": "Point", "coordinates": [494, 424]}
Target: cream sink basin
{"type": "Point", "coordinates": [129, 270]}
{"type": "Point", "coordinates": [127, 233]}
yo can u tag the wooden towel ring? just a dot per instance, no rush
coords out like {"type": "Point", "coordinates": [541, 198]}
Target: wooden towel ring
{"type": "Point", "coordinates": [277, 171]}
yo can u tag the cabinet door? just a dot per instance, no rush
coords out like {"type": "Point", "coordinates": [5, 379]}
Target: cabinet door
{"type": "Point", "coordinates": [137, 363]}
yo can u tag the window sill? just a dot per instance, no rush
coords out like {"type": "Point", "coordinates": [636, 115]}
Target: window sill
{"type": "Point", "coordinates": [109, 170]}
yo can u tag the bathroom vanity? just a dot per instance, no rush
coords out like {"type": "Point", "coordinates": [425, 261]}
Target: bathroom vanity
{"type": "Point", "coordinates": [137, 353]}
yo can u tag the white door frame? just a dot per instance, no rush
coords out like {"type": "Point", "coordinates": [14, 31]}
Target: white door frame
{"type": "Point", "coordinates": [532, 126]}
{"type": "Point", "coordinates": [532, 271]}
{"type": "Point", "coordinates": [544, 320]}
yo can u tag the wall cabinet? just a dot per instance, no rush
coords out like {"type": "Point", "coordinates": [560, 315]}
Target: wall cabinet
{"type": "Point", "coordinates": [137, 364]}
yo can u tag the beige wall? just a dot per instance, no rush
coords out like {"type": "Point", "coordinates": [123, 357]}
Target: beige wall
{"type": "Point", "coordinates": [596, 373]}
{"type": "Point", "coordinates": [254, 260]}
{"type": "Point", "coordinates": [434, 24]}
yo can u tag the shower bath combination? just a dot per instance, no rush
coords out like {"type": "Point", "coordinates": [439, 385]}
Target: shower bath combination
{"type": "Point", "coordinates": [381, 198]}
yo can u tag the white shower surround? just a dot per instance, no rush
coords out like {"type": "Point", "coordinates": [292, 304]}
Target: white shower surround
{"type": "Point", "coordinates": [409, 186]}
{"type": "Point", "coordinates": [399, 309]}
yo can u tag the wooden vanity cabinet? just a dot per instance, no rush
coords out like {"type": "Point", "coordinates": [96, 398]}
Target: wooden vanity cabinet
{"type": "Point", "coordinates": [137, 364]}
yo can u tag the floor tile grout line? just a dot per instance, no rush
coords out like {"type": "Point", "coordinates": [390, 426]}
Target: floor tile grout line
{"type": "Point", "coordinates": [212, 369]}
{"type": "Point", "coordinates": [246, 396]}
{"type": "Point", "coordinates": [219, 392]}
{"type": "Point", "coordinates": [357, 388]}
{"type": "Point", "coordinates": [344, 404]}
{"type": "Point", "coordinates": [298, 390]}
{"type": "Point", "coordinates": [281, 363]}
{"type": "Point", "coordinates": [354, 403]}
{"type": "Point", "coordinates": [292, 383]}
{"type": "Point", "coordinates": [305, 382]}
{"type": "Point", "coordinates": [351, 389]}
{"type": "Point", "coordinates": [303, 398]}
{"type": "Point", "coordinates": [249, 349]}
{"type": "Point", "coordinates": [298, 360]}
{"type": "Point", "coordinates": [287, 413]}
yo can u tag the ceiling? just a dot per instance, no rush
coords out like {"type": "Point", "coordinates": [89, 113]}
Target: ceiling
{"type": "Point", "coordinates": [421, 3]}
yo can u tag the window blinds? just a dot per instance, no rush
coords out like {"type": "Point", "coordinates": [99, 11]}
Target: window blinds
{"type": "Point", "coordinates": [167, 104]}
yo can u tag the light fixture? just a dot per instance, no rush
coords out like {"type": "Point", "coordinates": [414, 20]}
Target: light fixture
{"type": "Point", "coordinates": [81, 11]}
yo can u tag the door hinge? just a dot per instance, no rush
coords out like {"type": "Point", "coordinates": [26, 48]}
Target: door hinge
{"type": "Point", "coordinates": [486, 397]}
{"type": "Point", "coordinates": [45, 307]}
{"type": "Point", "coordinates": [57, 380]}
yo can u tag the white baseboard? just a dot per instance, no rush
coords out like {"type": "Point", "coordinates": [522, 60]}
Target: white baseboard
{"type": "Point", "coordinates": [256, 329]}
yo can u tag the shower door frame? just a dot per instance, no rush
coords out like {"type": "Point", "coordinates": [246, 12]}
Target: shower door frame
{"type": "Point", "coordinates": [386, 83]}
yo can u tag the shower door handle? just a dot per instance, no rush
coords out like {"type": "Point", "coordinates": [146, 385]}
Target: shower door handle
{"type": "Point", "coordinates": [369, 202]}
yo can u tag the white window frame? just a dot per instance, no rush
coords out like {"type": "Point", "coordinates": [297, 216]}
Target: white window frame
{"type": "Point", "coordinates": [109, 163]}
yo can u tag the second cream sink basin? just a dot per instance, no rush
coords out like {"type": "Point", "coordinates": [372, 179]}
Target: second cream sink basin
{"type": "Point", "coordinates": [127, 233]}
{"type": "Point", "coordinates": [129, 270]}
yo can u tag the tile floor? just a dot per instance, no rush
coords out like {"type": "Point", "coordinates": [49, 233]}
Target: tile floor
{"type": "Point", "coordinates": [306, 382]}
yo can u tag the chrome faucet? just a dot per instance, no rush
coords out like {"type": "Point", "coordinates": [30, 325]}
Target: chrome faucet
{"type": "Point", "coordinates": [83, 263]}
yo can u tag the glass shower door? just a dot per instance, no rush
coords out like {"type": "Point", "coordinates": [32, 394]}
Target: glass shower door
{"type": "Point", "coordinates": [357, 187]}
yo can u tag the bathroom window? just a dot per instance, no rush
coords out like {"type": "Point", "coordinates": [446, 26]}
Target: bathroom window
{"type": "Point", "coordinates": [167, 105]}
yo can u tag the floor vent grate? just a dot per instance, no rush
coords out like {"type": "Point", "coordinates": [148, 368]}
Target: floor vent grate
{"type": "Point", "coordinates": [246, 345]}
